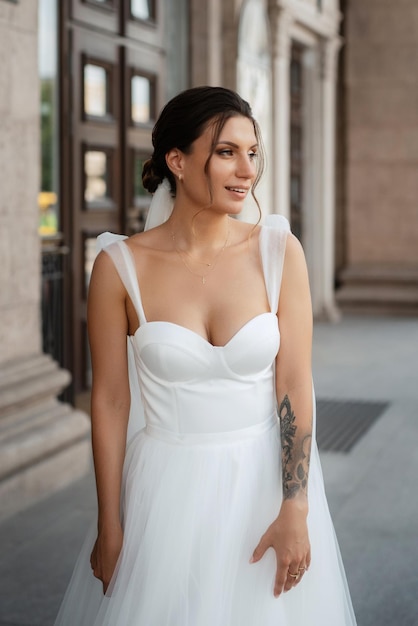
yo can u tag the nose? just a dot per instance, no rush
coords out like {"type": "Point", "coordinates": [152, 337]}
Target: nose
{"type": "Point", "coordinates": [246, 167]}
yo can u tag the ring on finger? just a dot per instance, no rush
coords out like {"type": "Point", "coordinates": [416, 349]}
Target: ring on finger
{"type": "Point", "coordinates": [295, 576]}
{"type": "Point", "coordinates": [302, 569]}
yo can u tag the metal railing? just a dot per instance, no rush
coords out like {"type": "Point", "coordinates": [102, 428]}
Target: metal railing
{"type": "Point", "coordinates": [52, 295]}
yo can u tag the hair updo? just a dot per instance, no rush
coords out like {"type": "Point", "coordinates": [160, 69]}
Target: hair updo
{"type": "Point", "coordinates": [183, 120]}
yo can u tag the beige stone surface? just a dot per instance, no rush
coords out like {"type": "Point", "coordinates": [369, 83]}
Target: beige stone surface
{"type": "Point", "coordinates": [19, 172]}
{"type": "Point", "coordinates": [46, 477]}
{"type": "Point", "coordinates": [25, 80]}
{"type": "Point", "coordinates": [391, 104]}
{"type": "Point", "coordinates": [384, 145]}
{"type": "Point", "coordinates": [377, 63]}
{"type": "Point", "coordinates": [5, 74]}
{"type": "Point", "coordinates": [383, 22]}
{"type": "Point", "coordinates": [22, 16]}
{"type": "Point", "coordinates": [19, 331]}
{"type": "Point", "coordinates": [381, 178]}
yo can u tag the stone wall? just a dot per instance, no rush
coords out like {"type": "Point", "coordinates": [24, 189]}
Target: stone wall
{"type": "Point", "coordinates": [381, 174]}
{"type": "Point", "coordinates": [19, 172]}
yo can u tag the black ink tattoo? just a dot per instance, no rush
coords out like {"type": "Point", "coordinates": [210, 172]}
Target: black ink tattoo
{"type": "Point", "coordinates": [295, 453]}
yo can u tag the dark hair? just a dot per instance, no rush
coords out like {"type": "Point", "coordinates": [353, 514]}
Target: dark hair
{"type": "Point", "coordinates": [184, 119]}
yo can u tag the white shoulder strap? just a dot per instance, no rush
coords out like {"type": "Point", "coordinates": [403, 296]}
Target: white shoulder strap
{"type": "Point", "coordinates": [120, 254]}
{"type": "Point", "coordinates": [273, 238]}
{"type": "Point", "coordinates": [122, 258]}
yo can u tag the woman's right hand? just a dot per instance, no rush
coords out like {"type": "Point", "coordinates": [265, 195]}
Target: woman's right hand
{"type": "Point", "coordinates": [105, 554]}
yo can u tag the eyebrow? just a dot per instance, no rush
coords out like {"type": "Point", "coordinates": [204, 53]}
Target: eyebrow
{"type": "Point", "coordinates": [234, 145]}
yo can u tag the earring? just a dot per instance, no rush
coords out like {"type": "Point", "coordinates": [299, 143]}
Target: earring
{"type": "Point", "coordinates": [180, 177]}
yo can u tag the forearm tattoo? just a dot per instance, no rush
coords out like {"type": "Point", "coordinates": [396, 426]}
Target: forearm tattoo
{"type": "Point", "coordinates": [295, 453]}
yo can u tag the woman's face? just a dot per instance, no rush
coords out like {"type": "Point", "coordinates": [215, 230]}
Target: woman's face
{"type": "Point", "coordinates": [232, 166]}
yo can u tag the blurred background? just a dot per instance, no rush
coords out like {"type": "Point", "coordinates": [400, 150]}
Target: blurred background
{"type": "Point", "coordinates": [334, 85]}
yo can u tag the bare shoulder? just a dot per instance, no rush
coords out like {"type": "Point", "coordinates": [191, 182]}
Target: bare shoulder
{"type": "Point", "coordinates": [155, 239]}
{"type": "Point", "coordinates": [104, 275]}
{"type": "Point", "coordinates": [295, 281]}
{"type": "Point", "coordinates": [294, 259]}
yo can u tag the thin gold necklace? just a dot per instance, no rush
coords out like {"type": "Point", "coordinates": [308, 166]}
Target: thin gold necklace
{"type": "Point", "coordinates": [212, 265]}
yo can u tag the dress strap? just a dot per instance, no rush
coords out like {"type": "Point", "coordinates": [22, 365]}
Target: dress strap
{"type": "Point", "coordinates": [273, 238]}
{"type": "Point", "coordinates": [123, 260]}
{"type": "Point", "coordinates": [116, 248]}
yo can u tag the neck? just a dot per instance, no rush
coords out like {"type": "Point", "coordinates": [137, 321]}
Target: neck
{"type": "Point", "coordinates": [199, 230]}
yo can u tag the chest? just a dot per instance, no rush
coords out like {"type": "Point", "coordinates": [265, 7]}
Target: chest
{"type": "Point", "coordinates": [212, 302]}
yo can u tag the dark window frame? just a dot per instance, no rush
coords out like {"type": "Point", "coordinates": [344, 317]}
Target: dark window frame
{"type": "Point", "coordinates": [109, 68]}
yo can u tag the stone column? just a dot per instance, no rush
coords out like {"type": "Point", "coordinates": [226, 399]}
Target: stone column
{"type": "Point", "coordinates": [281, 20]}
{"type": "Point", "coordinates": [43, 443]}
{"type": "Point", "coordinates": [329, 49]}
{"type": "Point", "coordinates": [206, 42]}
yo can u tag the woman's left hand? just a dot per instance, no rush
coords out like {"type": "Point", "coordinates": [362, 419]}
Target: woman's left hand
{"type": "Point", "coordinates": [288, 536]}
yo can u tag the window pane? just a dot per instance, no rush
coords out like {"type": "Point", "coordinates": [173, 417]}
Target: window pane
{"type": "Point", "coordinates": [141, 100]}
{"type": "Point", "coordinates": [97, 176]}
{"type": "Point", "coordinates": [142, 9]}
{"type": "Point", "coordinates": [95, 90]}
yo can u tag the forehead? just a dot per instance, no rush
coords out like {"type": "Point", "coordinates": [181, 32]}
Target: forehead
{"type": "Point", "coordinates": [237, 129]}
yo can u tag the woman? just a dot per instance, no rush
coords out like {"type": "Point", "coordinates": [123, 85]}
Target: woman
{"type": "Point", "coordinates": [208, 516]}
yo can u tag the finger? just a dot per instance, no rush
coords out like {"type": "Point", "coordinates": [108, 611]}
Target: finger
{"type": "Point", "coordinates": [292, 578]}
{"type": "Point", "coordinates": [281, 578]}
{"type": "Point", "coordinates": [308, 559]}
{"type": "Point", "coordinates": [301, 570]}
{"type": "Point", "coordinates": [260, 550]}
{"type": "Point", "coordinates": [294, 575]}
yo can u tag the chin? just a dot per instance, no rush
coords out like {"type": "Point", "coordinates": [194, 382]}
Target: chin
{"type": "Point", "coordinates": [235, 209]}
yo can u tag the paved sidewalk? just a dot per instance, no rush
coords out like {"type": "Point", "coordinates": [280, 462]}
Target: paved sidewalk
{"type": "Point", "coordinates": [371, 490]}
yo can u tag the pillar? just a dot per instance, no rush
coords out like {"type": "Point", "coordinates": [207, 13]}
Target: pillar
{"type": "Point", "coordinates": [43, 442]}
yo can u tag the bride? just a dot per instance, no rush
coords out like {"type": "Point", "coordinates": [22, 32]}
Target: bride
{"type": "Point", "coordinates": [213, 513]}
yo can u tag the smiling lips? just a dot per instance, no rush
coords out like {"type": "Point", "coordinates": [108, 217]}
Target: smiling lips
{"type": "Point", "coordinates": [242, 190]}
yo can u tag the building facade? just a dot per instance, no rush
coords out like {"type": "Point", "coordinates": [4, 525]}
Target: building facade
{"type": "Point", "coordinates": [79, 97]}
{"type": "Point", "coordinates": [377, 207]}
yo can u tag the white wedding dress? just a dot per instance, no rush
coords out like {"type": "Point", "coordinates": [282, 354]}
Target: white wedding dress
{"type": "Point", "coordinates": [202, 482]}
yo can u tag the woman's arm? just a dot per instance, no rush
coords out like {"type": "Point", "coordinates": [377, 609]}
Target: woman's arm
{"type": "Point", "coordinates": [294, 373]}
{"type": "Point", "coordinates": [288, 534]}
{"type": "Point", "coordinates": [110, 402]}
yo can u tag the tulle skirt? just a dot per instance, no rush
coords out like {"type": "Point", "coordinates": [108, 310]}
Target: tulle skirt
{"type": "Point", "coordinates": [194, 508]}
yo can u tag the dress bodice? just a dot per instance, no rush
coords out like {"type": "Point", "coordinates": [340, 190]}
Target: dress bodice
{"type": "Point", "coordinates": [187, 385]}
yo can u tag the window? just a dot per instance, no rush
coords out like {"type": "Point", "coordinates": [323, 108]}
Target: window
{"type": "Point", "coordinates": [143, 10]}
{"type": "Point", "coordinates": [98, 183]}
{"type": "Point", "coordinates": [97, 77]}
{"type": "Point", "coordinates": [142, 99]}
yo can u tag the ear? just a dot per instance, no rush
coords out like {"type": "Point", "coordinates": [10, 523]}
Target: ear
{"type": "Point", "coordinates": [175, 161]}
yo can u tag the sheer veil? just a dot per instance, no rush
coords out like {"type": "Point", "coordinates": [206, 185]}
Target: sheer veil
{"type": "Point", "coordinates": [161, 206]}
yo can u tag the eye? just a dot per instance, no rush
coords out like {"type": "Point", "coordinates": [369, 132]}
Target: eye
{"type": "Point", "coordinates": [225, 152]}
{"type": "Point", "coordinates": [253, 155]}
